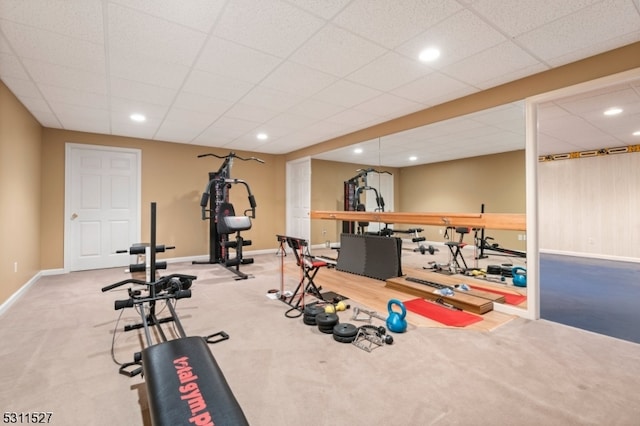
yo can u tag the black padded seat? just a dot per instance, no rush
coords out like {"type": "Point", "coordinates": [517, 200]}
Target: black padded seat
{"type": "Point", "coordinates": [185, 385]}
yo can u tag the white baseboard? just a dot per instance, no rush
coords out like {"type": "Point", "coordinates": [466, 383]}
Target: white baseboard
{"type": "Point", "coordinates": [591, 255]}
{"type": "Point", "coordinates": [19, 293]}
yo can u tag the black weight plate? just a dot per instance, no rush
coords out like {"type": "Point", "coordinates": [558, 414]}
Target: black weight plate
{"type": "Point", "coordinates": [326, 330]}
{"type": "Point", "coordinates": [345, 330]}
{"type": "Point", "coordinates": [325, 319]}
{"type": "Point", "coordinates": [344, 339]}
{"type": "Point", "coordinates": [313, 310]}
{"type": "Point", "coordinates": [309, 320]}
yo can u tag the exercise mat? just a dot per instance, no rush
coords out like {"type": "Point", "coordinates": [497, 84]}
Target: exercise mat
{"type": "Point", "coordinates": [441, 314]}
{"type": "Point", "coordinates": [509, 298]}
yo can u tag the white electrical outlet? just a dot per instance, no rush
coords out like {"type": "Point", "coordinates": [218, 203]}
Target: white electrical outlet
{"type": "Point", "coordinates": [15, 266]}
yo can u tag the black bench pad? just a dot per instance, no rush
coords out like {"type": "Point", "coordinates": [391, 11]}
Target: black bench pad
{"type": "Point", "coordinates": [185, 385]}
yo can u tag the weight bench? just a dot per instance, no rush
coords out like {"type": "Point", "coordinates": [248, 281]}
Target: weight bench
{"type": "Point", "coordinates": [186, 386]}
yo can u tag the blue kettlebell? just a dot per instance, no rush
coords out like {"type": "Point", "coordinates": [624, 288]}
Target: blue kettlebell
{"type": "Point", "coordinates": [395, 320]}
{"type": "Point", "coordinates": [519, 276]}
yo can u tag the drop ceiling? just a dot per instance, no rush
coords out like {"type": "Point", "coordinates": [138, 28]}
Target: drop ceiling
{"type": "Point", "coordinates": [217, 73]}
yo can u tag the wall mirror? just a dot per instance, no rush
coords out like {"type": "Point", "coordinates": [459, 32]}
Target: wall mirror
{"type": "Point", "coordinates": [457, 165]}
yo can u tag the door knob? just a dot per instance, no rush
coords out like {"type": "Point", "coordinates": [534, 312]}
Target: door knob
{"type": "Point", "coordinates": [74, 216]}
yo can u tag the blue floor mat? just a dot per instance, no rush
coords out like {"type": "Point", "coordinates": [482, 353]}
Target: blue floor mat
{"type": "Point", "coordinates": [602, 296]}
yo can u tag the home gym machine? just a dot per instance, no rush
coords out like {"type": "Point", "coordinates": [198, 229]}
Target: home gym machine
{"type": "Point", "coordinates": [482, 244]}
{"type": "Point", "coordinates": [222, 218]}
{"type": "Point", "coordinates": [184, 383]}
{"type": "Point", "coordinates": [353, 188]}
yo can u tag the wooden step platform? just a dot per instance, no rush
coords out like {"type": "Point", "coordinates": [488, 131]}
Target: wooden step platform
{"type": "Point", "coordinates": [467, 302]}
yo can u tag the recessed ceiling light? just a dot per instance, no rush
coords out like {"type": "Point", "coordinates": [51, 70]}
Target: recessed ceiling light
{"type": "Point", "coordinates": [613, 111]}
{"type": "Point", "coordinates": [413, 158]}
{"type": "Point", "coordinates": [636, 133]}
{"type": "Point", "coordinates": [358, 151]}
{"type": "Point", "coordinates": [429, 54]}
{"type": "Point", "coordinates": [262, 136]}
{"type": "Point", "coordinates": [138, 117]}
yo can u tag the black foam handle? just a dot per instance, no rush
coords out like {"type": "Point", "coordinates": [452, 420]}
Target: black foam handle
{"type": "Point", "coordinates": [137, 267]}
{"type": "Point", "coordinates": [182, 294]}
{"type": "Point", "coordinates": [204, 200]}
{"type": "Point", "coordinates": [252, 201]}
{"type": "Point", "coordinates": [121, 304]}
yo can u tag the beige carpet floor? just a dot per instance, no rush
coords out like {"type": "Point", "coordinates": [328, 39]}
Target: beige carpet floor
{"type": "Point", "coordinates": [56, 357]}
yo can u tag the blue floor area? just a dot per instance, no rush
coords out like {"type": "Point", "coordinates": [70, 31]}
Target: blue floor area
{"type": "Point", "coordinates": [602, 296]}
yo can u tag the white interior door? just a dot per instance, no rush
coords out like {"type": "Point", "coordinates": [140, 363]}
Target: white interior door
{"type": "Point", "coordinates": [102, 206]}
{"type": "Point", "coordinates": [299, 198]}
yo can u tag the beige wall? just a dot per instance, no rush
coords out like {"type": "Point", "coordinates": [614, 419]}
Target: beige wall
{"type": "Point", "coordinates": [462, 186]}
{"type": "Point", "coordinates": [20, 160]}
{"type": "Point", "coordinates": [174, 178]}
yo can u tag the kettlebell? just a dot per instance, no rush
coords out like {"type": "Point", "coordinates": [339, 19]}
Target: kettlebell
{"type": "Point", "coordinates": [395, 320]}
{"type": "Point", "coordinates": [519, 276]}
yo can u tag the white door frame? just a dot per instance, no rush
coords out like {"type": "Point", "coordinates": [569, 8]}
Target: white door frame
{"type": "Point", "coordinates": [69, 146]}
{"type": "Point", "coordinates": [293, 186]}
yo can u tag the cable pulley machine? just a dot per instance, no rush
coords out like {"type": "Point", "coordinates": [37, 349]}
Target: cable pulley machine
{"type": "Point", "coordinates": [223, 222]}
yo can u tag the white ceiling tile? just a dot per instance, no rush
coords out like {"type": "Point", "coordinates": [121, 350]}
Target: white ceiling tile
{"type": "Point", "coordinates": [273, 26]}
{"type": "Point", "coordinates": [457, 37]}
{"type": "Point", "coordinates": [353, 117]}
{"type": "Point", "coordinates": [79, 19]}
{"type": "Point", "coordinates": [10, 67]}
{"type": "Point", "coordinates": [513, 74]}
{"type": "Point", "coordinates": [80, 118]}
{"type": "Point", "coordinates": [230, 59]}
{"type": "Point", "coordinates": [388, 72]}
{"type": "Point", "coordinates": [250, 112]}
{"type": "Point", "coordinates": [22, 88]}
{"type": "Point", "coordinates": [584, 28]}
{"type": "Point", "coordinates": [318, 110]}
{"type": "Point", "coordinates": [387, 105]}
{"type": "Point", "coordinates": [132, 32]}
{"type": "Point", "coordinates": [216, 86]}
{"type": "Point", "coordinates": [5, 48]}
{"type": "Point", "coordinates": [213, 136]}
{"type": "Point", "coordinates": [509, 16]}
{"type": "Point", "coordinates": [325, 9]}
{"type": "Point", "coordinates": [74, 97]}
{"type": "Point", "coordinates": [287, 121]}
{"type": "Point", "coordinates": [484, 66]}
{"type": "Point", "coordinates": [122, 108]}
{"type": "Point", "coordinates": [58, 75]}
{"type": "Point", "coordinates": [390, 23]}
{"type": "Point", "coordinates": [346, 93]}
{"type": "Point", "coordinates": [433, 89]}
{"type": "Point", "coordinates": [271, 99]}
{"type": "Point", "coordinates": [203, 104]}
{"type": "Point", "coordinates": [298, 79]}
{"type": "Point", "coordinates": [337, 51]}
{"type": "Point", "coordinates": [140, 91]}
{"type": "Point", "coordinates": [593, 49]}
{"type": "Point", "coordinates": [47, 119]}
{"type": "Point", "coordinates": [53, 48]}
{"type": "Point", "coordinates": [180, 132]}
{"type": "Point", "coordinates": [197, 14]}
{"type": "Point", "coordinates": [36, 104]}
{"type": "Point", "coordinates": [137, 67]}
{"type": "Point", "coordinates": [124, 127]}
